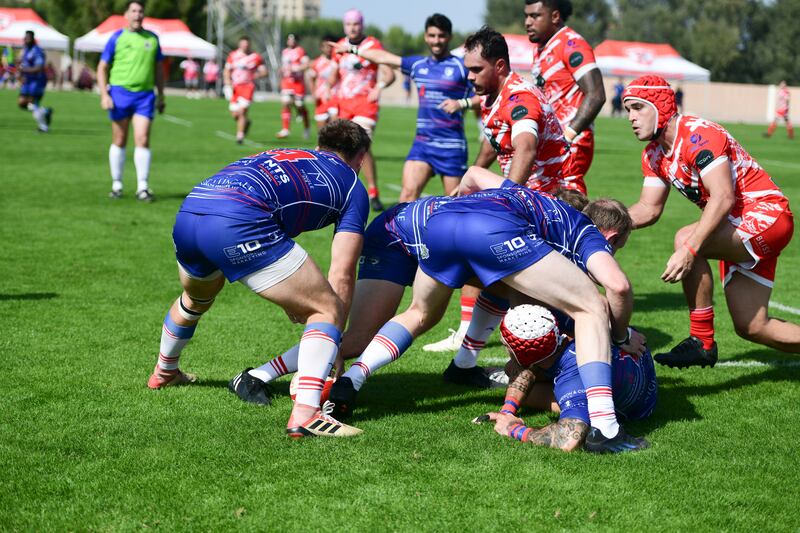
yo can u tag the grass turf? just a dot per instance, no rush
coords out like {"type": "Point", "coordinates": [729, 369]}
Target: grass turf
{"type": "Point", "coordinates": [84, 445]}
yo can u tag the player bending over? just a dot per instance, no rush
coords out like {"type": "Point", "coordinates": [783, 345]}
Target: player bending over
{"type": "Point", "coordinates": [239, 224]}
{"type": "Point", "coordinates": [522, 133]}
{"type": "Point", "coordinates": [544, 375]}
{"type": "Point", "coordinates": [498, 236]}
{"type": "Point", "coordinates": [745, 222]}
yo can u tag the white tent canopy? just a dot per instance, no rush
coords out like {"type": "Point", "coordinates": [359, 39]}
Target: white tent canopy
{"type": "Point", "coordinates": [173, 36]}
{"type": "Point", "coordinates": [14, 22]}
{"type": "Point", "coordinates": [633, 59]}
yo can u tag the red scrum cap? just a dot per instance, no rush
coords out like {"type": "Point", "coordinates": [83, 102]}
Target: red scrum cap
{"type": "Point", "coordinates": [656, 92]}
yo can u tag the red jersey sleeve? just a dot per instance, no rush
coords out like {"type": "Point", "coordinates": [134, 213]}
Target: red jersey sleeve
{"type": "Point", "coordinates": [705, 148]}
{"type": "Point", "coordinates": [577, 56]}
{"type": "Point", "coordinates": [523, 112]}
{"type": "Point", "coordinates": [650, 172]}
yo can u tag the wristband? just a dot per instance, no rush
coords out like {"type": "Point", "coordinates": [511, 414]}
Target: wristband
{"type": "Point", "coordinates": [691, 250]}
{"type": "Point", "coordinates": [624, 341]}
{"type": "Point", "coordinates": [510, 407]}
{"type": "Point", "coordinates": [519, 432]}
{"type": "Point", "coordinates": [464, 103]}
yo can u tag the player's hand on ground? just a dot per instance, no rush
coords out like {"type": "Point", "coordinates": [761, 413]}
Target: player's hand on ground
{"type": "Point", "coordinates": [160, 104]}
{"type": "Point", "coordinates": [450, 106]}
{"type": "Point", "coordinates": [503, 422]}
{"type": "Point", "coordinates": [106, 102]}
{"type": "Point", "coordinates": [637, 345]}
{"type": "Point", "coordinates": [679, 264]}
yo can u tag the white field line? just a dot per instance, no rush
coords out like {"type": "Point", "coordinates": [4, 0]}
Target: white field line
{"type": "Point", "coordinates": [787, 308]}
{"type": "Point", "coordinates": [176, 120]}
{"type": "Point", "coordinates": [785, 164]}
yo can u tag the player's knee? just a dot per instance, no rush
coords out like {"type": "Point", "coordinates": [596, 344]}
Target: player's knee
{"type": "Point", "coordinates": [752, 330]}
{"type": "Point", "coordinates": [192, 307]}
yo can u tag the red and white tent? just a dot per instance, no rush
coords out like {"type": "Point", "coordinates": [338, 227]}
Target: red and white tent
{"type": "Point", "coordinates": [520, 52]}
{"type": "Point", "coordinates": [174, 37]}
{"type": "Point", "coordinates": [633, 59]}
{"type": "Point", "coordinates": [14, 22]}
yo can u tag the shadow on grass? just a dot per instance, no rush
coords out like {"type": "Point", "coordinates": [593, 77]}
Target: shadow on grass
{"type": "Point", "coordinates": [657, 301]}
{"type": "Point", "coordinates": [675, 393]}
{"type": "Point", "coordinates": [392, 394]}
{"type": "Point", "coordinates": [29, 296]}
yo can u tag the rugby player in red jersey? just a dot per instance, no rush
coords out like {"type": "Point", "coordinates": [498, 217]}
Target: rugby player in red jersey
{"type": "Point", "coordinates": [242, 69]}
{"type": "Point", "coordinates": [294, 62]}
{"type": "Point", "coordinates": [745, 221]}
{"type": "Point", "coordinates": [565, 69]}
{"type": "Point", "coordinates": [360, 89]}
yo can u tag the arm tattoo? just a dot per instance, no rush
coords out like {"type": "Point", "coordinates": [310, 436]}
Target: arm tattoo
{"type": "Point", "coordinates": [566, 434]}
{"type": "Point", "coordinates": [521, 385]}
{"type": "Point", "coordinates": [591, 85]}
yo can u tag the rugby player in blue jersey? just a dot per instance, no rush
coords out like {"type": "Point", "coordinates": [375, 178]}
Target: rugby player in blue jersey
{"type": "Point", "coordinates": [34, 81]}
{"type": "Point", "coordinates": [239, 224]}
{"type": "Point", "coordinates": [506, 235]}
{"type": "Point", "coordinates": [545, 376]}
{"type": "Point", "coordinates": [440, 146]}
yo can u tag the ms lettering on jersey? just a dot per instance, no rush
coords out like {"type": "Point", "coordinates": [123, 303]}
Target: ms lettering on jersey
{"type": "Point", "coordinates": [519, 112]}
{"type": "Point", "coordinates": [575, 59]}
{"type": "Point", "coordinates": [704, 157]}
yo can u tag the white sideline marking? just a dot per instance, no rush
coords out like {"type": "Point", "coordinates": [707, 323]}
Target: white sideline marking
{"type": "Point", "coordinates": [787, 308]}
{"type": "Point", "coordinates": [176, 120]}
{"type": "Point", "coordinates": [786, 164]}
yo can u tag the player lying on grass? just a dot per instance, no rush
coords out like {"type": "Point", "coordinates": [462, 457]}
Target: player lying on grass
{"type": "Point", "coordinates": [745, 222]}
{"type": "Point", "coordinates": [239, 224]}
{"type": "Point", "coordinates": [543, 371]}
{"type": "Point", "coordinates": [388, 264]}
{"type": "Point", "coordinates": [499, 236]}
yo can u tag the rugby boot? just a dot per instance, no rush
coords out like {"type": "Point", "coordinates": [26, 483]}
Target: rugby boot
{"type": "Point", "coordinates": [161, 378]}
{"type": "Point", "coordinates": [689, 352]}
{"type": "Point", "coordinates": [322, 425]}
{"type": "Point", "coordinates": [282, 134]}
{"type": "Point", "coordinates": [449, 344]}
{"type": "Point", "coordinates": [596, 442]}
{"type": "Point", "coordinates": [146, 196]}
{"type": "Point", "coordinates": [477, 376]}
{"type": "Point", "coordinates": [375, 204]}
{"type": "Point", "coordinates": [341, 399]}
{"type": "Point", "coordinates": [250, 389]}
{"type": "Point", "coordinates": [48, 115]}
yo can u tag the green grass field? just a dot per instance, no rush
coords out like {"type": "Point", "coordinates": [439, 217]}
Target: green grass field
{"type": "Point", "coordinates": [84, 445]}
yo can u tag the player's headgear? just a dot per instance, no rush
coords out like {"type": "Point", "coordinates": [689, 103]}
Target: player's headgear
{"type": "Point", "coordinates": [530, 332]}
{"type": "Point", "coordinates": [656, 92]}
{"type": "Point", "coordinates": [353, 15]}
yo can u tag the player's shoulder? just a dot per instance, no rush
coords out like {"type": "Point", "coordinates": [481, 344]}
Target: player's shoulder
{"type": "Point", "coordinates": [573, 38]}
{"type": "Point", "coordinates": [651, 155]}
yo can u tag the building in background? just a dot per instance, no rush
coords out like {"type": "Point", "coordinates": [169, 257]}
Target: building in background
{"type": "Point", "coordinates": [283, 9]}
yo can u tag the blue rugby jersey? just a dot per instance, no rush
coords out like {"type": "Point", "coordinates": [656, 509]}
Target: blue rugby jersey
{"type": "Point", "coordinates": [408, 223]}
{"type": "Point", "coordinates": [304, 189]}
{"type": "Point", "coordinates": [437, 81]}
{"type": "Point", "coordinates": [33, 56]}
{"type": "Point", "coordinates": [566, 230]}
{"type": "Point", "coordinates": [634, 384]}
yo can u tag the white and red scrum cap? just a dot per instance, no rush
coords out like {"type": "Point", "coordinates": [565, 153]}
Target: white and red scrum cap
{"type": "Point", "coordinates": [656, 92]}
{"type": "Point", "coordinates": [530, 333]}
